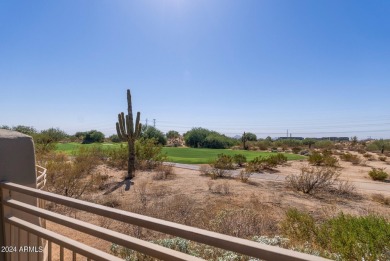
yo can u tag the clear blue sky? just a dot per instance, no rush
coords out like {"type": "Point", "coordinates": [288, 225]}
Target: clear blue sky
{"type": "Point", "coordinates": [316, 68]}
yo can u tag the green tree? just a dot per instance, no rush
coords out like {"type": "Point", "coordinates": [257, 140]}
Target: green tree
{"type": "Point", "coordinates": [195, 137]}
{"type": "Point", "coordinates": [55, 134]}
{"type": "Point", "coordinates": [5, 127]}
{"type": "Point", "coordinates": [28, 130]}
{"type": "Point", "coordinates": [93, 136]}
{"type": "Point", "coordinates": [114, 138]}
{"type": "Point", "coordinates": [150, 132]}
{"type": "Point", "coordinates": [309, 142]}
{"type": "Point", "coordinates": [172, 134]}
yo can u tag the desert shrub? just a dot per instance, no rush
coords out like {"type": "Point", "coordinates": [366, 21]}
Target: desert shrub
{"type": "Point", "coordinates": [255, 165]}
{"type": "Point", "coordinates": [354, 159]}
{"type": "Point", "coordinates": [298, 226]}
{"type": "Point", "coordinates": [280, 158]}
{"type": "Point", "coordinates": [222, 163]}
{"type": "Point", "coordinates": [378, 174]}
{"type": "Point", "coordinates": [110, 201]}
{"type": "Point", "coordinates": [263, 144]}
{"type": "Point", "coordinates": [382, 158]}
{"type": "Point", "coordinates": [239, 159]}
{"type": "Point", "coordinates": [381, 199]}
{"type": "Point", "coordinates": [342, 237]}
{"type": "Point", "coordinates": [219, 188]}
{"type": "Point", "coordinates": [324, 159]}
{"type": "Point", "coordinates": [356, 238]}
{"type": "Point", "coordinates": [296, 150]}
{"type": "Point", "coordinates": [313, 179]}
{"type": "Point", "coordinates": [69, 178]}
{"type": "Point", "coordinates": [220, 173]}
{"type": "Point", "coordinates": [118, 157]}
{"type": "Point", "coordinates": [114, 138]}
{"type": "Point", "coordinates": [244, 176]}
{"type": "Point", "coordinates": [316, 158]}
{"type": "Point", "coordinates": [205, 170]}
{"type": "Point", "coordinates": [346, 189]}
{"type": "Point", "coordinates": [240, 222]}
{"type": "Point", "coordinates": [368, 156]}
{"type": "Point", "coordinates": [330, 161]}
{"type": "Point", "coordinates": [260, 163]}
{"type": "Point", "coordinates": [163, 172]}
{"type": "Point", "coordinates": [148, 154]}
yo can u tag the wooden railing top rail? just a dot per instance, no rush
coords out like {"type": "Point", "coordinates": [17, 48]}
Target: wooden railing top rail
{"type": "Point", "coordinates": [242, 246]}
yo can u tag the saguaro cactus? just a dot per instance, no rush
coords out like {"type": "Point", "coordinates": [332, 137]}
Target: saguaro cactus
{"type": "Point", "coordinates": [128, 132]}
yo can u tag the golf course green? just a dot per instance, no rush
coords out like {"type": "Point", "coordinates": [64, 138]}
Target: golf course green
{"type": "Point", "coordinates": [180, 155]}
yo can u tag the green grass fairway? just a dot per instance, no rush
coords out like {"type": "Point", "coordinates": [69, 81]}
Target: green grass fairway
{"type": "Point", "coordinates": [181, 155]}
{"type": "Point", "coordinates": [204, 156]}
{"type": "Point", "coordinates": [71, 147]}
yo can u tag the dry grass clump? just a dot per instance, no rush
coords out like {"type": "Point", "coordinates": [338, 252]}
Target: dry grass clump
{"type": "Point", "coordinates": [163, 172]}
{"type": "Point", "coordinates": [244, 176]}
{"type": "Point", "coordinates": [219, 188]}
{"type": "Point", "coordinates": [354, 159]}
{"type": "Point", "coordinates": [382, 158]}
{"type": "Point", "coordinates": [381, 199]}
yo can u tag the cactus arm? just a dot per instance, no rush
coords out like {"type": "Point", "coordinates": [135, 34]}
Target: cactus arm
{"type": "Point", "coordinates": [130, 114]}
{"type": "Point", "coordinates": [119, 132]}
{"type": "Point", "coordinates": [121, 119]}
{"type": "Point", "coordinates": [137, 124]}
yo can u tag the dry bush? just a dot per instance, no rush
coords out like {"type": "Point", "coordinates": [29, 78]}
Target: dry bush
{"type": "Point", "coordinates": [219, 188]}
{"type": "Point", "coordinates": [118, 157]}
{"type": "Point", "coordinates": [205, 170]}
{"type": "Point", "coordinates": [346, 189]}
{"type": "Point", "coordinates": [141, 189]}
{"type": "Point", "coordinates": [313, 179]}
{"type": "Point", "coordinates": [369, 156]}
{"type": "Point", "coordinates": [354, 159]}
{"type": "Point", "coordinates": [163, 172]}
{"type": "Point", "coordinates": [72, 178]}
{"type": "Point", "coordinates": [220, 173]}
{"type": "Point", "coordinates": [382, 158]}
{"type": "Point", "coordinates": [244, 176]}
{"type": "Point", "coordinates": [110, 201]}
{"type": "Point", "coordinates": [381, 199]}
{"type": "Point", "coordinates": [242, 223]}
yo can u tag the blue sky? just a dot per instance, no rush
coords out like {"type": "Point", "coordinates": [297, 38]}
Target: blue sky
{"type": "Point", "coordinates": [316, 68]}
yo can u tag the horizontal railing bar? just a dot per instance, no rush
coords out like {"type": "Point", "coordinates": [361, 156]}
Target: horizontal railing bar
{"type": "Point", "coordinates": [242, 246]}
{"type": "Point", "coordinates": [108, 235]}
{"type": "Point", "coordinates": [61, 240]}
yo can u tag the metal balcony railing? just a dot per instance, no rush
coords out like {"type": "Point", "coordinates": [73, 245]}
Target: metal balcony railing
{"type": "Point", "coordinates": [17, 223]}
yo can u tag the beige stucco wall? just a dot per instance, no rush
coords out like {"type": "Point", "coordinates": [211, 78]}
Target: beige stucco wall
{"type": "Point", "coordinates": [17, 165]}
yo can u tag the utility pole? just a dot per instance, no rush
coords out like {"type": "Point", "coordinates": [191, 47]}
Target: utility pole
{"type": "Point", "coordinates": [154, 123]}
{"type": "Point", "coordinates": [146, 122]}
